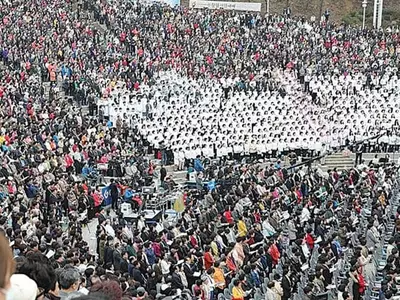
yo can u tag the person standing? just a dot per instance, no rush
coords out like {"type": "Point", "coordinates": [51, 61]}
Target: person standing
{"type": "Point", "coordinates": [208, 258]}
{"type": "Point", "coordinates": [359, 152]}
{"type": "Point", "coordinates": [358, 283]}
{"type": "Point", "coordinates": [181, 160]}
{"type": "Point", "coordinates": [271, 294]}
{"type": "Point", "coordinates": [219, 278]}
{"type": "Point", "coordinates": [114, 194]}
{"type": "Point", "coordinates": [286, 285]}
{"type": "Point", "coordinates": [242, 228]}
{"type": "Point", "coordinates": [163, 174]}
{"type": "Point", "coordinates": [237, 291]}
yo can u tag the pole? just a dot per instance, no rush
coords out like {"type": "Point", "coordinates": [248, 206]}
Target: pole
{"type": "Point", "coordinates": [363, 18]}
{"type": "Point", "coordinates": [268, 7]}
{"type": "Point", "coordinates": [364, 5]}
{"type": "Point", "coordinates": [321, 5]}
{"type": "Point", "coordinates": [380, 8]}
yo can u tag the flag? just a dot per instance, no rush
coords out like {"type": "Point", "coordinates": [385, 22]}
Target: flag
{"type": "Point", "coordinates": [179, 205]}
{"type": "Point", "coordinates": [106, 193]}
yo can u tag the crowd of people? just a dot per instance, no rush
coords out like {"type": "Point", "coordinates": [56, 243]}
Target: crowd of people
{"type": "Point", "coordinates": [194, 83]}
{"type": "Point", "coordinates": [250, 84]}
{"type": "Point", "coordinates": [262, 233]}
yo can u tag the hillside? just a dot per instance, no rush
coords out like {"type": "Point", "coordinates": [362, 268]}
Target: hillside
{"type": "Point", "coordinates": [349, 11]}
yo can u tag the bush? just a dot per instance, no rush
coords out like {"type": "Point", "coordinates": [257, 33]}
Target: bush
{"type": "Point", "coordinates": [356, 17]}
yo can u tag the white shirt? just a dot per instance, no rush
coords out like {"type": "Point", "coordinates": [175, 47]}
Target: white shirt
{"type": "Point", "coordinates": [305, 215]}
{"type": "Point", "coordinates": [165, 267]}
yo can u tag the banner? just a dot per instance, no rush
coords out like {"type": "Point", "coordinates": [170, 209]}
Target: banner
{"type": "Point", "coordinates": [171, 3]}
{"type": "Point", "coordinates": [106, 193]}
{"type": "Point", "coordinates": [244, 6]}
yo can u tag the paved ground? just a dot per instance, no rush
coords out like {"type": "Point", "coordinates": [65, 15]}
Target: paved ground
{"type": "Point", "coordinates": [89, 234]}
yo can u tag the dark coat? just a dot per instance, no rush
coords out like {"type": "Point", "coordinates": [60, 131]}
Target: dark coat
{"type": "Point", "coordinates": [287, 288]}
{"type": "Point", "coordinates": [117, 259]}
{"type": "Point", "coordinates": [108, 255]}
{"type": "Point", "coordinates": [177, 281]}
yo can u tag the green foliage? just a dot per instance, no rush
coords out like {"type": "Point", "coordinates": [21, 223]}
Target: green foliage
{"type": "Point", "coordinates": [355, 18]}
{"type": "Point", "coordinates": [390, 16]}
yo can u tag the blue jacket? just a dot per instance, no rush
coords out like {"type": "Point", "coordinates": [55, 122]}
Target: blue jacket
{"type": "Point", "coordinates": [31, 191]}
{"type": "Point", "coordinates": [255, 278]}
{"type": "Point", "coordinates": [198, 166]}
{"type": "Point", "coordinates": [151, 257]}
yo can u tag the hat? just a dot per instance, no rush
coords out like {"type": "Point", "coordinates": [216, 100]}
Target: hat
{"type": "Point", "coordinates": [24, 287]}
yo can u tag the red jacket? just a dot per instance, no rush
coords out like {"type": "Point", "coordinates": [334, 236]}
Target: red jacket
{"type": "Point", "coordinates": [68, 161]}
{"type": "Point", "coordinates": [361, 283]}
{"type": "Point", "coordinates": [310, 241]}
{"type": "Point", "coordinates": [228, 217]}
{"type": "Point", "coordinates": [193, 241]}
{"type": "Point", "coordinates": [208, 260]}
{"type": "Point", "coordinates": [157, 249]}
{"type": "Point", "coordinates": [275, 254]}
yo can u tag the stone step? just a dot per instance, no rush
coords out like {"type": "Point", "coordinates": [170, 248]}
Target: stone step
{"type": "Point", "coordinates": [370, 156]}
{"type": "Point", "coordinates": [339, 160]}
{"type": "Point", "coordinates": [367, 157]}
{"type": "Point", "coordinates": [330, 159]}
{"type": "Point", "coordinates": [339, 163]}
{"type": "Point", "coordinates": [344, 160]}
{"type": "Point", "coordinates": [340, 157]}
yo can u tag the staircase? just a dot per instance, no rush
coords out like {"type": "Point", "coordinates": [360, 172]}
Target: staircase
{"type": "Point", "coordinates": [367, 157]}
{"type": "Point", "coordinates": [341, 162]}
{"type": "Point", "coordinates": [178, 176]}
{"type": "Point", "coordinates": [338, 161]}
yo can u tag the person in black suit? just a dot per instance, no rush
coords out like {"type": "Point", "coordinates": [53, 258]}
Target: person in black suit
{"type": "Point", "coordinates": [176, 279]}
{"type": "Point", "coordinates": [163, 174]}
{"type": "Point", "coordinates": [136, 274]}
{"type": "Point", "coordinates": [188, 270]}
{"type": "Point", "coordinates": [114, 194]}
{"type": "Point", "coordinates": [124, 262]}
{"type": "Point", "coordinates": [101, 217]}
{"type": "Point", "coordinates": [108, 252]}
{"type": "Point", "coordinates": [286, 285]}
{"type": "Point", "coordinates": [117, 258]}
